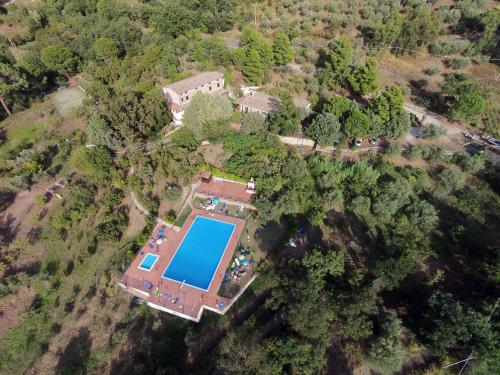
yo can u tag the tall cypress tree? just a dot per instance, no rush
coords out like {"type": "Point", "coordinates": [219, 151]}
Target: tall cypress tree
{"type": "Point", "coordinates": [253, 69]}
{"type": "Point", "coordinates": [282, 49]}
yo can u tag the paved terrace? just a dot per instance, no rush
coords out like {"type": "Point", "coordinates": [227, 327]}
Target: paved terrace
{"type": "Point", "coordinates": [168, 295]}
{"type": "Point", "coordinates": [234, 191]}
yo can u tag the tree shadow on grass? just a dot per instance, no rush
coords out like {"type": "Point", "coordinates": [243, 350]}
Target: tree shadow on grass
{"type": "Point", "coordinates": [73, 359]}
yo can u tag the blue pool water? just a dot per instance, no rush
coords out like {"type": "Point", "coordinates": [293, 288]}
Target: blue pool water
{"type": "Point", "coordinates": [148, 262]}
{"type": "Point", "coordinates": [200, 252]}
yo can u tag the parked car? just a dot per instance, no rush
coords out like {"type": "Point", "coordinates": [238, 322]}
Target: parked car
{"type": "Point", "coordinates": [358, 142]}
{"type": "Point", "coordinates": [373, 141]}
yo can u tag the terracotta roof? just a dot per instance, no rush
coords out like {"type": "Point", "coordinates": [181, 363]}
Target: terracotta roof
{"type": "Point", "coordinates": [193, 82]}
{"type": "Point", "coordinates": [261, 101]}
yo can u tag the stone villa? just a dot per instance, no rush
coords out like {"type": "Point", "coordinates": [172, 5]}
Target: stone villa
{"type": "Point", "coordinates": [179, 94]}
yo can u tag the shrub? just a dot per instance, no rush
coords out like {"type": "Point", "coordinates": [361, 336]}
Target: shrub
{"type": "Point", "coordinates": [394, 149]}
{"type": "Point", "coordinates": [253, 122]}
{"type": "Point", "coordinates": [413, 153]}
{"type": "Point", "coordinates": [431, 71]}
{"type": "Point", "coordinates": [432, 131]}
{"type": "Point", "coordinates": [445, 47]}
{"type": "Point", "coordinates": [458, 62]}
{"type": "Point", "coordinates": [472, 163]}
{"type": "Point", "coordinates": [41, 199]}
{"type": "Point", "coordinates": [450, 180]}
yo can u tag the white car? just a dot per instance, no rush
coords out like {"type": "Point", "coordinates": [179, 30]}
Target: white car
{"type": "Point", "coordinates": [358, 142]}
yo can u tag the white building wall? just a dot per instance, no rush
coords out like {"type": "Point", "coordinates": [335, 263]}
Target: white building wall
{"type": "Point", "coordinates": [183, 99]}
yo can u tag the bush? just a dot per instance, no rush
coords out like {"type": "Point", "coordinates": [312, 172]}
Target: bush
{"type": "Point", "coordinates": [458, 62]}
{"type": "Point", "coordinates": [170, 216]}
{"type": "Point", "coordinates": [432, 131]}
{"type": "Point", "coordinates": [253, 122]}
{"type": "Point", "coordinates": [431, 71]}
{"type": "Point", "coordinates": [394, 149]}
{"type": "Point", "coordinates": [450, 180]}
{"type": "Point", "coordinates": [172, 193]}
{"type": "Point", "coordinates": [41, 199]}
{"type": "Point", "coordinates": [413, 153]}
{"type": "Point", "coordinates": [445, 47]}
{"type": "Point", "coordinates": [472, 163]}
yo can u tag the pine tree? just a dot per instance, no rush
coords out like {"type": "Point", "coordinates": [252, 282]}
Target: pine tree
{"type": "Point", "coordinates": [338, 62]}
{"type": "Point", "coordinates": [364, 79]}
{"type": "Point", "coordinates": [282, 49]}
{"type": "Point", "coordinates": [253, 39]}
{"type": "Point", "coordinates": [253, 69]}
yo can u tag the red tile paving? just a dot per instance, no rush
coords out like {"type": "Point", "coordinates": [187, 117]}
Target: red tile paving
{"type": "Point", "coordinates": [224, 189]}
{"type": "Point", "coordinates": [168, 295]}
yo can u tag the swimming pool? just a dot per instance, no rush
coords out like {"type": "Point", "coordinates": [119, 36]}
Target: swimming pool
{"type": "Point", "coordinates": [148, 262]}
{"type": "Point", "coordinates": [200, 252]}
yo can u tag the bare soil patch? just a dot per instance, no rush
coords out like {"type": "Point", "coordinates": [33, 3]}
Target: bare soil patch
{"type": "Point", "coordinates": [214, 154]}
{"type": "Point", "coordinates": [12, 307]}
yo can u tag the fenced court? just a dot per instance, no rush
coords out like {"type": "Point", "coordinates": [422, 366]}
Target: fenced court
{"type": "Point", "coordinates": [67, 100]}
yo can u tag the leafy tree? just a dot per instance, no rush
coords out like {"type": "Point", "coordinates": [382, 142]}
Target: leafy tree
{"type": "Point", "coordinates": [450, 180]}
{"type": "Point", "coordinates": [96, 162]}
{"type": "Point", "coordinates": [59, 59]}
{"type": "Point", "coordinates": [253, 122]}
{"type": "Point", "coordinates": [392, 197]}
{"type": "Point", "coordinates": [389, 104]}
{"type": "Point", "coordinates": [101, 134]}
{"type": "Point", "coordinates": [11, 81]}
{"type": "Point", "coordinates": [185, 138]}
{"type": "Point", "coordinates": [397, 127]}
{"type": "Point", "coordinates": [452, 325]}
{"type": "Point", "coordinates": [432, 131]}
{"type": "Point", "coordinates": [357, 124]}
{"type": "Point", "coordinates": [206, 109]}
{"type": "Point", "coordinates": [105, 48]}
{"type": "Point", "coordinates": [286, 119]}
{"type": "Point", "coordinates": [385, 351]}
{"type": "Point", "coordinates": [421, 25]}
{"type": "Point", "coordinates": [403, 246]}
{"type": "Point", "coordinates": [253, 70]}
{"type": "Point", "coordinates": [361, 178]}
{"type": "Point", "coordinates": [461, 98]}
{"type": "Point", "coordinates": [337, 63]}
{"type": "Point", "coordinates": [239, 58]}
{"type": "Point", "coordinates": [473, 163]}
{"type": "Point", "coordinates": [228, 77]}
{"type": "Point", "coordinates": [319, 264]}
{"type": "Point", "coordinates": [325, 129]}
{"type": "Point", "coordinates": [153, 113]}
{"type": "Point", "coordinates": [361, 205]}
{"type": "Point", "coordinates": [423, 216]}
{"type": "Point", "coordinates": [340, 106]}
{"type": "Point", "coordinates": [211, 52]}
{"type": "Point", "coordinates": [490, 22]}
{"type": "Point", "coordinates": [282, 48]}
{"type": "Point", "coordinates": [387, 32]}
{"type": "Point", "coordinates": [254, 40]}
{"type": "Point", "coordinates": [364, 79]}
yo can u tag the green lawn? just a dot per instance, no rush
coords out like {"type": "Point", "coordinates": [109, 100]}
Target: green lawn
{"type": "Point", "coordinates": [19, 135]}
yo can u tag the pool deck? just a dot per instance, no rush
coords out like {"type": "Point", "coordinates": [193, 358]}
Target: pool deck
{"type": "Point", "coordinates": [182, 300]}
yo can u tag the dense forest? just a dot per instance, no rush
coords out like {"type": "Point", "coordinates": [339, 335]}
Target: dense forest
{"type": "Point", "coordinates": [397, 270]}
